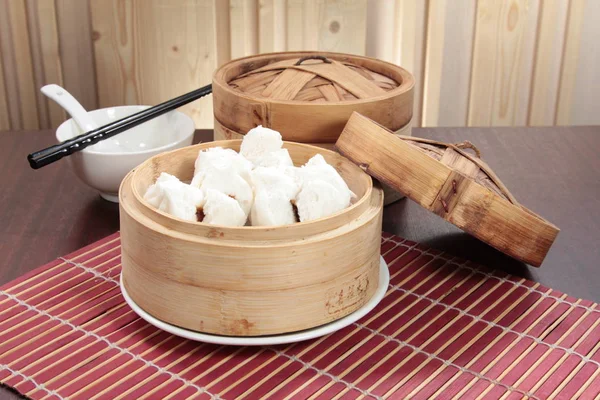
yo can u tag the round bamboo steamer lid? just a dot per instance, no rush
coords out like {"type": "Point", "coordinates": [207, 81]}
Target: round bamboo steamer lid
{"type": "Point", "coordinates": [452, 183]}
{"type": "Point", "coordinates": [249, 281]}
{"type": "Point", "coordinates": [309, 96]}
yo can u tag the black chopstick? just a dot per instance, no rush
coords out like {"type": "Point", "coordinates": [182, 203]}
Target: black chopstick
{"type": "Point", "coordinates": [54, 153]}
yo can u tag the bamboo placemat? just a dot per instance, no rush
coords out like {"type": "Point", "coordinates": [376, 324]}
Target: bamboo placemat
{"type": "Point", "coordinates": [445, 329]}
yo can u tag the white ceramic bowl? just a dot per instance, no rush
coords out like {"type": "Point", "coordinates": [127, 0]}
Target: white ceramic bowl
{"type": "Point", "coordinates": [104, 165]}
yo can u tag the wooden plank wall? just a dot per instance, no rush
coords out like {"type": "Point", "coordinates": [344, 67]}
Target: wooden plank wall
{"type": "Point", "coordinates": [477, 62]}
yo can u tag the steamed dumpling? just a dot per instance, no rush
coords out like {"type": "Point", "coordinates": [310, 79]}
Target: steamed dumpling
{"type": "Point", "coordinates": [259, 142]}
{"type": "Point", "coordinates": [260, 183]}
{"type": "Point", "coordinates": [316, 161]}
{"type": "Point", "coordinates": [271, 180]}
{"type": "Point", "coordinates": [319, 199]}
{"type": "Point", "coordinates": [271, 209]}
{"type": "Point", "coordinates": [222, 175]}
{"type": "Point", "coordinates": [220, 209]}
{"type": "Point", "coordinates": [275, 159]}
{"type": "Point", "coordinates": [174, 197]}
{"type": "Point", "coordinates": [317, 169]}
{"type": "Point", "coordinates": [274, 192]}
{"type": "Point", "coordinates": [227, 158]}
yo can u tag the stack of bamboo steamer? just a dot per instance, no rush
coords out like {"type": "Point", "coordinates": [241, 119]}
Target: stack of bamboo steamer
{"type": "Point", "coordinates": [249, 281]}
{"type": "Point", "coordinates": [309, 96]}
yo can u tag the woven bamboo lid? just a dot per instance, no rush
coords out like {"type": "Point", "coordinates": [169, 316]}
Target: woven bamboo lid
{"type": "Point", "coordinates": [451, 183]}
{"type": "Point", "coordinates": [313, 78]}
{"type": "Point", "coordinates": [309, 96]}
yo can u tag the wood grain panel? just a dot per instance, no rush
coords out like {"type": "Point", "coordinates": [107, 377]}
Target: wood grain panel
{"type": "Point", "coordinates": [243, 16]}
{"type": "Point", "coordinates": [310, 24]}
{"type": "Point", "coordinates": [570, 61]}
{"type": "Point", "coordinates": [434, 53]}
{"type": "Point", "coordinates": [272, 26]}
{"type": "Point", "coordinates": [585, 105]}
{"type": "Point", "coordinates": [151, 51]}
{"type": "Point", "coordinates": [523, 88]}
{"type": "Point", "coordinates": [456, 64]}
{"type": "Point", "coordinates": [502, 56]}
{"type": "Point", "coordinates": [327, 25]}
{"type": "Point", "coordinates": [76, 51]}
{"type": "Point", "coordinates": [380, 30]}
{"type": "Point", "coordinates": [476, 62]}
{"type": "Point", "coordinates": [544, 90]}
{"type": "Point", "coordinates": [50, 55]}
{"type": "Point", "coordinates": [342, 26]}
{"type": "Point", "coordinates": [295, 27]}
{"type": "Point", "coordinates": [410, 35]}
{"type": "Point", "coordinates": [11, 86]}
{"type": "Point", "coordinates": [20, 75]}
{"type": "Point", "coordinates": [222, 31]}
{"type": "Point", "coordinates": [36, 62]}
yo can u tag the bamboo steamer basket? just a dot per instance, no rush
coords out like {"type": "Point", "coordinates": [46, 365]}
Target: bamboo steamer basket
{"type": "Point", "coordinates": [249, 281]}
{"type": "Point", "coordinates": [309, 96]}
{"type": "Point", "coordinates": [452, 183]}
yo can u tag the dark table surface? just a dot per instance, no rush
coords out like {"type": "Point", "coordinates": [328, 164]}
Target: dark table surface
{"type": "Point", "coordinates": [555, 171]}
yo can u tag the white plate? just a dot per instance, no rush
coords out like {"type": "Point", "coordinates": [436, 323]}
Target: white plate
{"type": "Point", "coordinates": [384, 280]}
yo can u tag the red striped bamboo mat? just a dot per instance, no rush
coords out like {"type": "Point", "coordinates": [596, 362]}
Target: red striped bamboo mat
{"type": "Point", "coordinates": [445, 329]}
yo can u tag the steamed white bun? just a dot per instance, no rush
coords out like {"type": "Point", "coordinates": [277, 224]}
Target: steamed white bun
{"type": "Point", "coordinates": [174, 197]}
{"type": "Point", "coordinates": [272, 180]}
{"type": "Point", "coordinates": [273, 194]}
{"type": "Point", "coordinates": [220, 209]}
{"type": "Point", "coordinates": [260, 182]}
{"type": "Point", "coordinates": [275, 159]}
{"type": "Point", "coordinates": [259, 142]}
{"type": "Point", "coordinates": [315, 161]}
{"type": "Point", "coordinates": [317, 169]}
{"type": "Point", "coordinates": [222, 175]}
{"type": "Point", "coordinates": [319, 199]}
{"type": "Point", "coordinates": [225, 158]}
{"type": "Point", "coordinates": [271, 209]}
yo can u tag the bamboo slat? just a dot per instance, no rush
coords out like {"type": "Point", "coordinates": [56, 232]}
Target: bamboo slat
{"type": "Point", "coordinates": [45, 12]}
{"type": "Point", "coordinates": [273, 26]}
{"type": "Point", "coordinates": [17, 66]}
{"type": "Point", "coordinates": [546, 75]}
{"type": "Point", "coordinates": [455, 71]}
{"type": "Point", "coordinates": [410, 40]}
{"type": "Point", "coordinates": [222, 31]}
{"type": "Point", "coordinates": [583, 109]}
{"type": "Point", "coordinates": [503, 51]}
{"type": "Point", "coordinates": [434, 55]}
{"type": "Point", "coordinates": [571, 52]}
{"type": "Point", "coordinates": [243, 22]}
{"type": "Point", "coordinates": [445, 329]}
{"type": "Point", "coordinates": [77, 52]}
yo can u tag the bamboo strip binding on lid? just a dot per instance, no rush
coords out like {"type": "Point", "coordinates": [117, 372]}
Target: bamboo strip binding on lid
{"type": "Point", "coordinates": [448, 181]}
{"type": "Point", "coordinates": [249, 281]}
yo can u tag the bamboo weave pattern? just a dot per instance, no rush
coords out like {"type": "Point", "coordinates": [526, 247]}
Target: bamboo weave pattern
{"type": "Point", "coordinates": [446, 329]}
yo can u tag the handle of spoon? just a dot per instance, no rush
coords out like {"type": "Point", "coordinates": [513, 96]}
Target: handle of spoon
{"type": "Point", "coordinates": [71, 105]}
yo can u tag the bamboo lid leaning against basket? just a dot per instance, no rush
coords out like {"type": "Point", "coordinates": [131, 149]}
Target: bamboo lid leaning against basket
{"type": "Point", "coordinates": [452, 183]}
